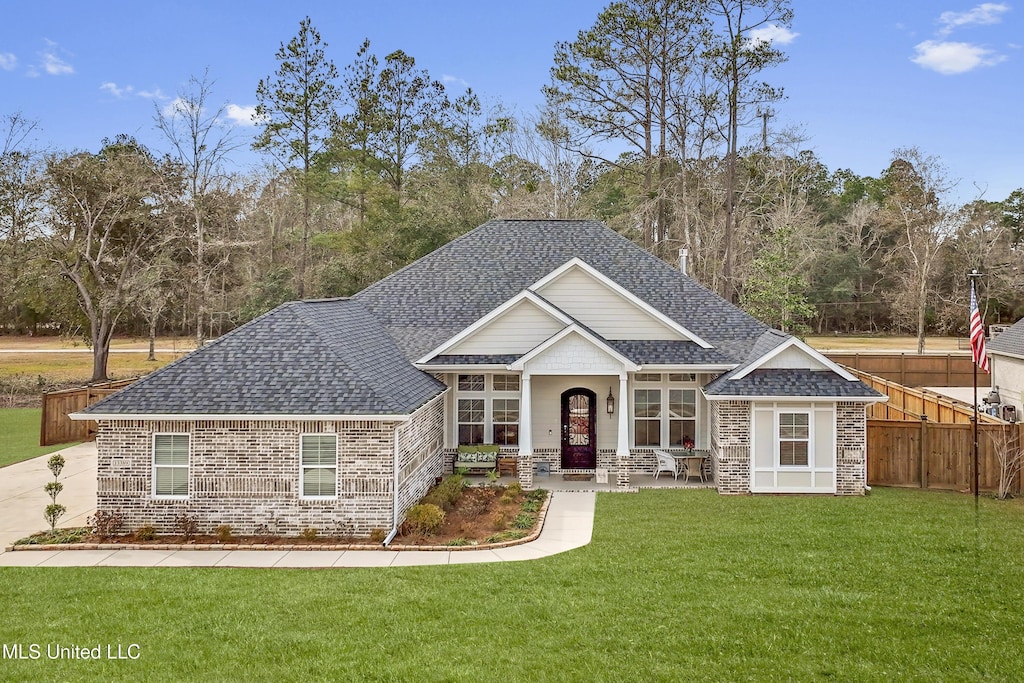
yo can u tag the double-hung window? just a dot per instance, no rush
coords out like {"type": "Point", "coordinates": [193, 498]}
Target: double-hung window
{"type": "Point", "coordinates": [170, 465]}
{"type": "Point", "coordinates": [505, 421]}
{"type": "Point", "coordinates": [647, 417]}
{"type": "Point", "coordinates": [471, 421]}
{"type": "Point", "coordinates": [794, 439]}
{"type": "Point", "coordinates": [682, 417]}
{"type": "Point", "coordinates": [319, 465]}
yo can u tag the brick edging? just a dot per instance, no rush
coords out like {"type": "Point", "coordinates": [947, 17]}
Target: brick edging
{"type": "Point", "coordinates": [532, 536]}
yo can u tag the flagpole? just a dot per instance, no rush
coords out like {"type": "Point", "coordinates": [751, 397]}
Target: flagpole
{"type": "Point", "coordinates": [974, 274]}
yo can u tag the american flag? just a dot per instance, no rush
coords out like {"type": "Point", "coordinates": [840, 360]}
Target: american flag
{"type": "Point", "coordinates": [977, 334]}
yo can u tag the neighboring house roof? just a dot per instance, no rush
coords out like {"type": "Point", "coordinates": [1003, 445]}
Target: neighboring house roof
{"type": "Point", "coordinates": [1009, 342]}
{"type": "Point", "coordinates": [446, 291]}
{"type": "Point", "coordinates": [303, 358]}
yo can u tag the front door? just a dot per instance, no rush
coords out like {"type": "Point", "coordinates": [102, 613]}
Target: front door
{"type": "Point", "coordinates": [579, 429]}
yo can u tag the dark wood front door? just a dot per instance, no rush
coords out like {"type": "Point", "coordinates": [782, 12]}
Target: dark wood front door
{"type": "Point", "coordinates": [579, 429]}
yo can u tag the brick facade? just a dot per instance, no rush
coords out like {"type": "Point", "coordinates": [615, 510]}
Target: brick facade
{"type": "Point", "coordinates": [246, 473]}
{"type": "Point", "coordinates": [851, 448]}
{"type": "Point", "coordinates": [730, 445]}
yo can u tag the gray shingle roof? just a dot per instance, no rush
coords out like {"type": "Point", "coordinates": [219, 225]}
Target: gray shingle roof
{"type": "Point", "coordinates": [795, 383]}
{"type": "Point", "coordinates": [303, 358]}
{"type": "Point", "coordinates": [644, 351]}
{"type": "Point", "coordinates": [474, 359]}
{"type": "Point", "coordinates": [1010, 340]}
{"type": "Point", "coordinates": [446, 291]}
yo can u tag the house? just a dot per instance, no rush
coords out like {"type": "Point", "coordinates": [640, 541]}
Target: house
{"type": "Point", "coordinates": [560, 341]}
{"type": "Point", "coordinates": [1006, 363]}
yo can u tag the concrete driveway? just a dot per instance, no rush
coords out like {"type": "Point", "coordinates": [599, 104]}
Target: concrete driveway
{"type": "Point", "coordinates": [22, 499]}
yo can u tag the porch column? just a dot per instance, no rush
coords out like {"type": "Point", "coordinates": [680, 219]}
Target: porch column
{"type": "Point", "coordinates": [525, 460]}
{"type": "Point", "coordinates": [622, 459]}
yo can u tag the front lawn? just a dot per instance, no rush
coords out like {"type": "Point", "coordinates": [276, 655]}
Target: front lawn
{"type": "Point", "coordinates": [19, 435]}
{"type": "Point", "coordinates": [676, 585]}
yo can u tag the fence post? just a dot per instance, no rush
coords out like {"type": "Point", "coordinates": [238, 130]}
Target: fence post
{"type": "Point", "coordinates": [922, 462]}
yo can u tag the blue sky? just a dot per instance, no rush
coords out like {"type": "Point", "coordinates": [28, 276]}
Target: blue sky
{"type": "Point", "coordinates": [862, 78]}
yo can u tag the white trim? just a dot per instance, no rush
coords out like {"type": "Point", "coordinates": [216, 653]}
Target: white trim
{"type": "Point", "coordinates": [774, 410]}
{"type": "Point", "coordinates": [525, 295]}
{"type": "Point", "coordinates": [464, 369]}
{"type": "Point", "coordinates": [577, 262]}
{"type": "Point", "coordinates": [627, 364]}
{"type": "Point", "coordinates": [302, 467]}
{"type": "Point", "coordinates": [261, 417]}
{"type": "Point", "coordinates": [793, 341]}
{"type": "Point", "coordinates": [188, 467]}
{"type": "Point", "coordinates": [667, 367]}
{"type": "Point", "coordinates": [1005, 354]}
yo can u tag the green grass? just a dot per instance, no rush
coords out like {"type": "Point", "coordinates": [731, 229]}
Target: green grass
{"type": "Point", "coordinates": [19, 428]}
{"type": "Point", "coordinates": [676, 585]}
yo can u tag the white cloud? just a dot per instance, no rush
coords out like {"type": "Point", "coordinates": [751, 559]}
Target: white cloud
{"type": "Point", "coordinates": [950, 58]}
{"type": "Point", "coordinates": [985, 13]}
{"type": "Point", "coordinates": [155, 94]}
{"type": "Point", "coordinates": [773, 33]}
{"type": "Point", "coordinates": [116, 90]}
{"type": "Point", "coordinates": [8, 61]}
{"type": "Point", "coordinates": [448, 78]}
{"type": "Point", "coordinates": [241, 115]}
{"type": "Point", "coordinates": [52, 63]}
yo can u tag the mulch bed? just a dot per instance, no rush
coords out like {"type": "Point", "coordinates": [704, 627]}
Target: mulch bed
{"type": "Point", "coordinates": [483, 517]}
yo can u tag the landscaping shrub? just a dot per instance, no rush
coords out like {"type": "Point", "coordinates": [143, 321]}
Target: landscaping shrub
{"type": "Point", "coordinates": [187, 526]}
{"type": "Point", "coordinates": [378, 535]}
{"type": "Point", "coordinates": [224, 534]}
{"type": "Point", "coordinates": [524, 520]}
{"type": "Point", "coordinates": [309, 534]}
{"type": "Point", "coordinates": [106, 524]}
{"type": "Point", "coordinates": [447, 493]}
{"type": "Point", "coordinates": [515, 488]}
{"type": "Point", "coordinates": [145, 533]}
{"type": "Point", "coordinates": [424, 518]}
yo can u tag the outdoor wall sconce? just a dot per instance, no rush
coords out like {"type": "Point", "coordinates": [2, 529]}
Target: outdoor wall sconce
{"type": "Point", "coordinates": [611, 402]}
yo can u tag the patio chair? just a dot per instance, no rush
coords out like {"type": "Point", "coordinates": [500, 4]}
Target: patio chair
{"type": "Point", "coordinates": [666, 463]}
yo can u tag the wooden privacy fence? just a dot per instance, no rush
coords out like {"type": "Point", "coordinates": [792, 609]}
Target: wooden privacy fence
{"type": "Point", "coordinates": [910, 404]}
{"type": "Point", "coordinates": [912, 369]}
{"type": "Point", "coordinates": [56, 427]}
{"type": "Point", "coordinates": [940, 456]}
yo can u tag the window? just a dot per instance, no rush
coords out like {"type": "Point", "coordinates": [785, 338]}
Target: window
{"type": "Point", "coordinates": [471, 382]}
{"type": "Point", "coordinates": [794, 439]}
{"type": "Point", "coordinates": [471, 421]}
{"type": "Point", "coordinates": [505, 416]}
{"type": "Point", "coordinates": [682, 377]}
{"type": "Point", "coordinates": [646, 377]}
{"type": "Point", "coordinates": [647, 414]}
{"type": "Point", "coordinates": [682, 417]}
{"type": "Point", "coordinates": [506, 382]}
{"type": "Point", "coordinates": [319, 458]}
{"type": "Point", "coordinates": [170, 465]}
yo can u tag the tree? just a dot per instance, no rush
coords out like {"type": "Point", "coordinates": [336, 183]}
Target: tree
{"type": "Point", "coordinates": [738, 58]}
{"type": "Point", "coordinates": [102, 222]}
{"type": "Point", "coordinates": [775, 290]}
{"type": "Point", "coordinates": [916, 188]}
{"type": "Point", "coordinates": [297, 112]}
{"type": "Point", "coordinates": [624, 80]}
{"type": "Point", "coordinates": [200, 144]}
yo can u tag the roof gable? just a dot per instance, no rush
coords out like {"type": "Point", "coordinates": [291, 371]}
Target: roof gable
{"type": "Point", "coordinates": [1009, 342]}
{"type": "Point", "coordinates": [515, 327]}
{"type": "Point", "coordinates": [574, 350]}
{"type": "Point", "coordinates": [790, 354]}
{"type": "Point", "coordinates": [604, 306]}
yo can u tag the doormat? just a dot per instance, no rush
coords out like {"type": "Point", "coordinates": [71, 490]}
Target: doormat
{"type": "Point", "coordinates": [577, 477]}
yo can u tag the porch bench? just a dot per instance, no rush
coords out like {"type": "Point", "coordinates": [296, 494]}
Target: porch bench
{"type": "Point", "coordinates": [476, 459]}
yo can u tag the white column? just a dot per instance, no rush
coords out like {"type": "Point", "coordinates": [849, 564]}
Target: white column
{"type": "Point", "coordinates": [525, 418]}
{"type": "Point", "coordinates": [622, 448]}
{"type": "Point", "coordinates": [525, 459]}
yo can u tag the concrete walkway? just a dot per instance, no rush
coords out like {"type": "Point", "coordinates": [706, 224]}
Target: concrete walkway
{"type": "Point", "coordinates": [569, 524]}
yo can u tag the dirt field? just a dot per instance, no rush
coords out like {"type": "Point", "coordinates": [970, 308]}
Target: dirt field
{"type": "Point", "coordinates": [905, 344]}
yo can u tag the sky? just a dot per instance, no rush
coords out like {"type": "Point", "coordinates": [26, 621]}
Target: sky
{"type": "Point", "coordinates": [862, 78]}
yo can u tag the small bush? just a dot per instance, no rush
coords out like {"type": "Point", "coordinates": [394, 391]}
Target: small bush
{"type": "Point", "coordinates": [499, 522]}
{"type": "Point", "coordinates": [61, 536]}
{"type": "Point", "coordinates": [106, 524]}
{"type": "Point", "coordinates": [458, 542]}
{"type": "Point", "coordinates": [309, 534]}
{"type": "Point", "coordinates": [447, 493]}
{"type": "Point", "coordinates": [531, 505]}
{"type": "Point", "coordinates": [187, 526]}
{"type": "Point", "coordinates": [537, 494]}
{"type": "Point", "coordinates": [524, 520]}
{"type": "Point", "coordinates": [514, 489]}
{"type": "Point", "coordinates": [378, 535]}
{"type": "Point", "coordinates": [224, 534]}
{"type": "Point", "coordinates": [510, 535]}
{"type": "Point", "coordinates": [262, 533]}
{"type": "Point", "coordinates": [145, 533]}
{"type": "Point", "coordinates": [424, 518]}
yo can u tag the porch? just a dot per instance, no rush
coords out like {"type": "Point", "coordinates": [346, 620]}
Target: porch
{"type": "Point", "coordinates": [557, 482]}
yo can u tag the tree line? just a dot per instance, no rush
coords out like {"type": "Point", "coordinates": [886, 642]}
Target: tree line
{"type": "Point", "coordinates": [656, 120]}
